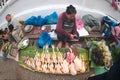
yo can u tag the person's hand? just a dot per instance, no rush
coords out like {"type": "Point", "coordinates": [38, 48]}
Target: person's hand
{"type": "Point", "coordinates": [75, 35]}
{"type": "Point", "coordinates": [72, 36]}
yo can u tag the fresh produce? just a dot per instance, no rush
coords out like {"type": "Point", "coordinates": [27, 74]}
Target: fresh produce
{"type": "Point", "coordinates": [101, 54]}
{"type": "Point", "coordinates": [98, 57]}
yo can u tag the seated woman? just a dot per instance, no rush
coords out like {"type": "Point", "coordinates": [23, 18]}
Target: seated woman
{"type": "Point", "coordinates": [66, 27]}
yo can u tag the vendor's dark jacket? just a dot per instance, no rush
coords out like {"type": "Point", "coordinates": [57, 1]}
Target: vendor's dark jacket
{"type": "Point", "coordinates": [114, 72]}
{"type": "Point", "coordinates": [60, 27]}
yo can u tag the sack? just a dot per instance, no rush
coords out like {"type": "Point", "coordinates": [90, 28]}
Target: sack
{"type": "Point", "coordinates": [111, 23]}
{"type": "Point", "coordinates": [52, 18]}
{"type": "Point", "coordinates": [30, 21]}
{"type": "Point", "coordinates": [79, 24]}
{"type": "Point", "coordinates": [44, 40]}
{"type": "Point", "coordinates": [40, 21]}
{"type": "Point", "coordinates": [90, 20]}
{"type": "Point", "coordinates": [36, 21]}
{"type": "Point", "coordinates": [53, 35]}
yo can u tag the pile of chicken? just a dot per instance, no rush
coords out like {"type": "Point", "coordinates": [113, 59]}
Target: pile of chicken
{"type": "Point", "coordinates": [56, 63]}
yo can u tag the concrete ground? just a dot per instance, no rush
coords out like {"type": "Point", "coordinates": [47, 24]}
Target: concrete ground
{"type": "Point", "coordinates": [10, 70]}
{"type": "Point", "coordinates": [24, 9]}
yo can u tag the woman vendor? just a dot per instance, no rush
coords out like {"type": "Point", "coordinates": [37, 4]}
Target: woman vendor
{"type": "Point", "coordinates": [66, 27]}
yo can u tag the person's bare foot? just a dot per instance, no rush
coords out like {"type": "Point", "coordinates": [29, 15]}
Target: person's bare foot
{"type": "Point", "coordinates": [59, 44]}
{"type": "Point", "coordinates": [66, 45]}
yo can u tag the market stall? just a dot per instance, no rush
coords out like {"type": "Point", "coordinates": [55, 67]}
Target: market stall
{"type": "Point", "coordinates": [52, 60]}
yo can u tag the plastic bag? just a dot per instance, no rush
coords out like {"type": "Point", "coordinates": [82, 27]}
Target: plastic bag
{"type": "Point", "coordinates": [52, 18]}
{"type": "Point", "coordinates": [79, 24]}
{"type": "Point", "coordinates": [44, 40]}
{"type": "Point", "coordinates": [109, 21]}
{"type": "Point", "coordinates": [90, 20]}
{"type": "Point", "coordinates": [36, 21]}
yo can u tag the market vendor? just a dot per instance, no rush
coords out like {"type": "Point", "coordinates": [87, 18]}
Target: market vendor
{"type": "Point", "coordinates": [14, 28]}
{"type": "Point", "coordinates": [66, 27]}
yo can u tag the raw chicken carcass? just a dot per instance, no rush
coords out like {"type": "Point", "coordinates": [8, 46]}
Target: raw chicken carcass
{"type": "Point", "coordinates": [83, 67]}
{"type": "Point", "coordinates": [33, 64]}
{"type": "Point", "coordinates": [72, 69]}
{"type": "Point", "coordinates": [48, 58]}
{"type": "Point", "coordinates": [70, 57]}
{"type": "Point", "coordinates": [65, 67]}
{"type": "Point", "coordinates": [45, 68]}
{"type": "Point", "coordinates": [42, 57]}
{"type": "Point", "coordinates": [78, 64]}
{"type": "Point", "coordinates": [51, 68]}
{"type": "Point", "coordinates": [39, 65]}
{"type": "Point", "coordinates": [54, 59]}
{"type": "Point", "coordinates": [58, 68]}
{"type": "Point", "coordinates": [60, 59]}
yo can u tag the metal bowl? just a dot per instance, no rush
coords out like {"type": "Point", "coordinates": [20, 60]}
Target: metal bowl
{"type": "Point", "coordinates": [28, 28]}
{"type": "Point", "coordinates": [23, 43]}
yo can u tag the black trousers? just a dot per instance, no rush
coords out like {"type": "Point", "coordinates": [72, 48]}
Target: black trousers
{"type": "Point", "coordinates": [62, 37]}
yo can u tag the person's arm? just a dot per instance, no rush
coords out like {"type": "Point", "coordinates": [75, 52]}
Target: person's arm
{"type": "Point", "coordinates": [16, 24]}
{"type": "Point", "coordinates": [75, 28]}
{"type": "Point", "coordinates": [60, 25]}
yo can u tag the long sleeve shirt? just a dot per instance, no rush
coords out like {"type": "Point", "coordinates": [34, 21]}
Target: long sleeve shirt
{"type": "Point", "coordinates": [62, 27]}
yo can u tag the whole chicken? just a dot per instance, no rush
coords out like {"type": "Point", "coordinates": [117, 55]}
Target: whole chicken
{"type": "Point", "coordinates": [60, 59]}
{"type": "Point", "coordinates": [37, 56]}
{"type": "Point", "coordinates": [42, 57]}
{"type": "Point", "coordinates": [78, 64]}
{"type": "Point", "coordinates": [72, 69]}
{"type": "Point", "coordinates": [51, 68]}
{"type": "Point", "coordinates": [33, 64]}
{"type": "Point", "coordinates": [45, 68]}
{"type": "Point", "coordinates": [25, 59]}
{"type": "Point", "coordinates": [48, 58]}
{"type": "Point", "coordinates": [65, 67]}
{"type": "Point", "coordinates": [28, 63]}
{"type": "Point", "coordinates": [83, 67]}
{"type": "Point", "coordinates": [54, 59]}
{"type": "Point", "coordinates": [58, 68]}
{"type": "Point", "coordinates": [39, 65]}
